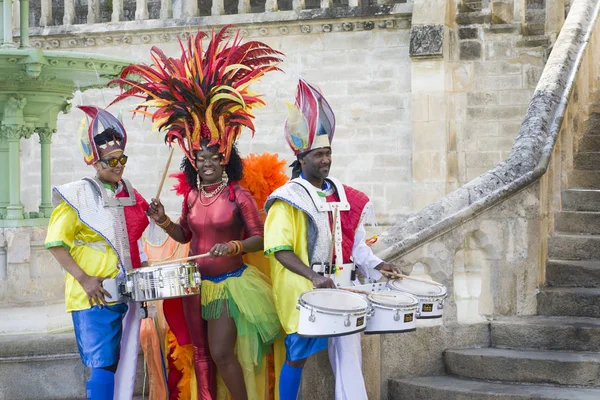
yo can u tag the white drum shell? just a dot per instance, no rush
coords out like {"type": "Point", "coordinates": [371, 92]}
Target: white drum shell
{"type": "Point", "coordinates": [392, 318]}
{"type": "Point", "coordinates": [164, 282]}
{"type": "Point", "coordinates": [430, 305]}
{"type": "Point", "coordinates": [317, 320]}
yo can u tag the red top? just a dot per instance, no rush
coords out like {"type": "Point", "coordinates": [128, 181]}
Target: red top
{"type": "Point", "coordinates": [349, 219]}
{"type": "Point", "coordinates": [220, 222]}
{"type": "Point", "coordinates": [137, 222]}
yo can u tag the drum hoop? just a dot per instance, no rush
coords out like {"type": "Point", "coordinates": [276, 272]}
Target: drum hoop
{"type": "Point", "coordinates": [431, 297]}
{"type": "Point", "coordinates": [166, 268]}
{"type": "Point", "coordinates": [401, 307]}
{"type": "Point", "coordinates": [330, 311]}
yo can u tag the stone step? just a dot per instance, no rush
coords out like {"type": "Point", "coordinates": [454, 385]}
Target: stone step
{"type": "Point", "coordinates": [579, 222]}
{"type": "Point", "coordinates": [574, 247]}
{"type": "Point", "coordinates": [590, 142]}
{"type": "Point", "coordinates": [43, 377]}
{"type": "Point", "coordinates": [584, 179]}
{"type": "Point", "coordinates": [561, 273]}
{"type": "Point", "coordinates": [37, 345]}
{"type": "Point", "coordinates": [526, 366]}
{"type": "Point", "coordinates": [587, 160]}
{"type": "Point", "coordinates": [452, 388]}
{"type": "Point", "coordinates": [581, 200]}
{"type": "Point", "coordinates": [575, 302]}
{"type": "Point", "coordinates": [551, 333]}
{"type": "Point", "coordinates": [592, 124]}
{"type": "Point", "coordinates": [474, 18]}
{"type": "Point", "coordinates": [45, 367]}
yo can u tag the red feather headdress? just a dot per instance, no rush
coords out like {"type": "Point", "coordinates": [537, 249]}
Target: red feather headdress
{"type": "Point", "coordinates": [204, 94]}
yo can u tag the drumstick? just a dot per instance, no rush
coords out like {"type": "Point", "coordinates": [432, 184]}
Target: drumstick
{"type": "Point", "coordinates": [164, 176]}
{"type": "Point", "coordinates": [366, 293]}
{"type": "Point", "coordinates": [393, 275]}
{"type": "Point", "coordinates": [180, 259]}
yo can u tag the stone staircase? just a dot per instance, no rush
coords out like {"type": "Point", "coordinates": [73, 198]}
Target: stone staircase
{"type": "Point", "coordinates": [554, 355]}
{"type": "Point", "coordinates": [46, 367]}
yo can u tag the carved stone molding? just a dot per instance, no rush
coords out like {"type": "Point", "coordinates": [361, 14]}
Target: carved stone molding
{"type": "Point", "coordinates": [15, 132]}
{"type": "Point", "coordinates": [427, 41]}
{"type": "Point", "coordinates": [171, 34]}
{"type": "Point", "coordinates": [45, 134]}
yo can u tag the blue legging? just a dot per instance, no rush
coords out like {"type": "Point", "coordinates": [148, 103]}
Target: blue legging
{"type": "Point", "coordinates": [101, 385]}
{"type": "Point", "coordinates": [289, 382]}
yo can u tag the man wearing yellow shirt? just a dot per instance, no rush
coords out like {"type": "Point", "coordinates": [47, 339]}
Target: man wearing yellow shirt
{"type": "Point", "coordinates": [93, 233]}
{"type": "Point", "coordinates": [298, 238]}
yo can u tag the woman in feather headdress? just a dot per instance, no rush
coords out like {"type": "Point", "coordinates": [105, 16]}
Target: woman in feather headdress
{"type": "Point", "coordinates": [203, 103]}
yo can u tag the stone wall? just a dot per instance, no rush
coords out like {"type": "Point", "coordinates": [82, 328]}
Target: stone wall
{"type": "Point", "coordinates": [362, 65]}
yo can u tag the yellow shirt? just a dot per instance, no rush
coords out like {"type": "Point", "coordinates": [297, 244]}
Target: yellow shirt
{"type": "Point", "coordinates": [66, 229]}
{"type": "Point", "coordinates": [286, 228]}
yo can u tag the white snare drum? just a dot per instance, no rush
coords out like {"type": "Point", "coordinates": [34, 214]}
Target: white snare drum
{"type": "Point", "coordinates": [163, 282]}
{"type": "Point", "coordinates": [431, 295]}
{"type": "Point", "coordinates": [392, 312]}
{"type": "Point", "coordinates": [370, 287]}
{"type": "Point", "coordinates": [331, 312]}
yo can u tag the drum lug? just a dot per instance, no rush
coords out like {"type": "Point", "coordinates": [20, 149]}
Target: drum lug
{"type": "Point", "coordinates": [182, 280]}
{"type": "Point", "coordinates": [312, 317]}
{"type": "Point", "coordinates": [370, 312]}
{"type": "Point", "coordinates": [397, 316]}
{"type": "Point", "coordinates": [441, 305]}
{"type": "Point", "coordinates": [161, 279]}
{"type": "Point", "coordinates": [347, 321]}
{"type": "Point", "coordinates": [197, 278]}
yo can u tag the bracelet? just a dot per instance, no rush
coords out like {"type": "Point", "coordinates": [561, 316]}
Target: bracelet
{"type": "Point", "coordinates": [165, 224]}
{"type": "Point", "coordinates": [236, 247]}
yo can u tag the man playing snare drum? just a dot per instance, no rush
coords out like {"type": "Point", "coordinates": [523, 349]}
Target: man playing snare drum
{"type": "Point", "coordinates": [94, 234]}
{"type": "Point", "coordinates": [301, 216]}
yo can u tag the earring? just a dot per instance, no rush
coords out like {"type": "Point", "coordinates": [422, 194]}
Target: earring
{"type": "Point", "coordinates": [225, 177]}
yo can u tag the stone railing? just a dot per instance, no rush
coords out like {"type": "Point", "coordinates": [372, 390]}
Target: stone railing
{"type": "Point", "coordinates": [66, 13]}
{"type": "Point", "coordinates": [487, 240]}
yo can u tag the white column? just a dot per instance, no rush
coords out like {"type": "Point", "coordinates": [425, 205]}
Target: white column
{"type": "Point", "coordinates": [218, 7]}
{"type": "Point", "coordinates": [8, 24]}
{"type": "Point", "coordinates": [298, 5]}
{"type": "Point", "coordinates": [93, 15]}
{"type": "Point", "coordinates": [46, 17]}
{"type": "Point", "coordinates": [243, 6]}
{"type": "Point", "coordinates": [141, 10]}
{"type": "Point", "coordinates": [166, 9]}
{"type": "Point", "coordinates": [69, 16]}
{"type": "Point", "coordinates": [271, 6]}
{"type": "Point", "coordinates": [326, 3]}
{"type": "Point", "coordinates": [117, 11]}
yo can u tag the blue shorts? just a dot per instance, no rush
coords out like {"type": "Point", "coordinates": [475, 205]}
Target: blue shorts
{"type": "Point", "coordinates": [299, 348]}
{"type": "Point", "coordinates": [98, 332]}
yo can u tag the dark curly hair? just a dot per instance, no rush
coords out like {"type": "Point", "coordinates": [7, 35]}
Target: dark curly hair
{"type": "Point", "coordinates": [234, 170]}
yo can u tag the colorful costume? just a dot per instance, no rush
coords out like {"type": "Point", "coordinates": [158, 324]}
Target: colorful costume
{"type": "Point", "coordinates": [101, 228]}
{"type": "Point", "coordinates": [298, 220]}
{"type": "Point", "coordinates": [204, 96]}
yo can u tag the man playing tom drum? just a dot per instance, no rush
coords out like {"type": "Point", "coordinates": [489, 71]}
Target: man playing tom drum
{"type": "Point", "coordinates": [301, 216]}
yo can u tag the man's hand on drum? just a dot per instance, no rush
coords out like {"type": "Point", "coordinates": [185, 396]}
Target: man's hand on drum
{"type": "Point", "coordinates": [93, 287]}
{"type": "Point", "coordinates": [388, 268]}
{"type": "Point", "coordinates": [220, 250]}
{"type": "Point", "coordinates": [156, 211]}
{"type": "Point", "coordinates": [322, 282]}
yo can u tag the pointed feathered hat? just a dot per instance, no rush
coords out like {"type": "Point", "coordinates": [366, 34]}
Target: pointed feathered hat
{"type": "Point", "coordinates": [100, 121]}
{"type": "Point", "coordinates": [311, 123]}
{"type": "Point", "coordinates": [204, 94]}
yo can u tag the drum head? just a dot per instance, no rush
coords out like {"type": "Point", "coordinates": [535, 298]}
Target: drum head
{"type": "Point", "coordinates": [393, 299]}
{"type": "Point", "coordinates": [333, 300]}
{"type": "Point", "coordinates": [417, 288]}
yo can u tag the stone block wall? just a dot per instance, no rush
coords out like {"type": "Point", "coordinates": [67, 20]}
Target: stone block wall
{"type": "Point", "coordinates": [362, 66]}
